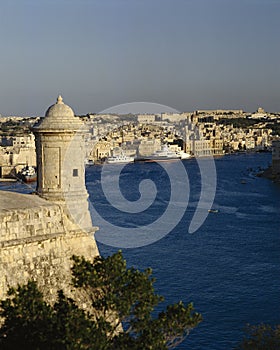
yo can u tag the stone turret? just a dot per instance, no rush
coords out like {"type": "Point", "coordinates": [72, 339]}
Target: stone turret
{"type": "Point", "coordinates": [38, 236]}
{"type": "Point", "coordinates": [60, 161]}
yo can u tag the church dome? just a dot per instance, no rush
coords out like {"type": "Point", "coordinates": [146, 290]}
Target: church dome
{"type": "Point", "coordinates": [59, 109]}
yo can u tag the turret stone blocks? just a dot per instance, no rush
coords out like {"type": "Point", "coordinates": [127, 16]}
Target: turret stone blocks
{"type": "Point", "coordinates": [40, 233]}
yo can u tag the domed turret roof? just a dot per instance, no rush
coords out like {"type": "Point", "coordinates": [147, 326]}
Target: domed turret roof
{"type": "Point", "coordinates": [59, 117]}
{"type": "Point", "coordinates": [59, 109]}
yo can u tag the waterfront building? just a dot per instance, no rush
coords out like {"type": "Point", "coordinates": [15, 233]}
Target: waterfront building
{"type": "Point", "coordinates": [199, 125]}
{"type": "Point", "coordinates": [217, 146]}
{"type": "Point", "coordinates": [101, 150]}
{"type": "Point", "coordinates": [201, 148]}
{"type": "Point", "coordinates": [15, 153]}
{"type": "Point", "coordinates": [148, 146]}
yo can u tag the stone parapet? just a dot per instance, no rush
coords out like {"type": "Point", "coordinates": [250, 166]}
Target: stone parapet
{"type": "Point", "coordinates": [38, 222]}
{"type": "Point", "coordinates": [37, 241]}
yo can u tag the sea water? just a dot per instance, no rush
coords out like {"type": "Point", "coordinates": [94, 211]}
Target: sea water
{"type": "Point", "coordinates": [229, 268]}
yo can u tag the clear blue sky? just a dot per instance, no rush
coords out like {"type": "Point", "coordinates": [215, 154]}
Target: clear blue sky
{"type": "Point", "coordinates": [187, 54]}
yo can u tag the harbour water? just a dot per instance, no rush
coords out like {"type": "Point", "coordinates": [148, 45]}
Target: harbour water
{"type": "Point", "coordinates": [229, 268]}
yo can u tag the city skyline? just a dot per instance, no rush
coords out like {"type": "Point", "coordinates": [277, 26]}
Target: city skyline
{"type": "Point", "coordinates": [185, 54]}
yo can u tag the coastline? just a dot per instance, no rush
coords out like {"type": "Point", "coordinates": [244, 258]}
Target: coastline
{"type": "Point", "coordinates": [268, 174]}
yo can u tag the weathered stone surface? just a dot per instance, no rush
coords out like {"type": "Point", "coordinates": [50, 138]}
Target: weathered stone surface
{"type": "Point", "coordinates": [37, 241]}
{"type": "Point", "coordinates": [39, 234]}
{"type": "Point", "coordinates": [60, 149]}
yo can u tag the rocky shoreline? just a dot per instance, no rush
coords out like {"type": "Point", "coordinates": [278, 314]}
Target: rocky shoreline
{"type": "Point", "coordinates": [268, 174]}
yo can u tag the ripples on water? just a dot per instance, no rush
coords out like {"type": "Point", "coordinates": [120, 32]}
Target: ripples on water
{"type": "Point", "coordinates": [229, 268]}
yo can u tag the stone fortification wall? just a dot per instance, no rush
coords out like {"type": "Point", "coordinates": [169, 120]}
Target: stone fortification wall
{"type": "Point", "coordinates": [37, 240]}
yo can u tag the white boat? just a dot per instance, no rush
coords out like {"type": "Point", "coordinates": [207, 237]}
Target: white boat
{"type": "Point", "coordinates": [213, 211]}
{"type": "Point", "coordinates": [164, 154]}
{"type": "Point", "coordinates": [183, 155]}
{"type": "Point", "coordinates": [28, 174]}
{"type": "Point", "coordinates": [122, 158]}
{"type": "Point", "coordinates": [89, 162]}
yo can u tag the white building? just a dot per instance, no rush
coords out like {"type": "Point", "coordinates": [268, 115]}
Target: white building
{"type": "Point", "coordinates": [146, 118]}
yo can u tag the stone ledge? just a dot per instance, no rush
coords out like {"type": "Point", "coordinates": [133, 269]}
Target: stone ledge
{"type": "Point", "coordinates": [38, 238]}
{"type": "Point", "coordinates": [13, 200]}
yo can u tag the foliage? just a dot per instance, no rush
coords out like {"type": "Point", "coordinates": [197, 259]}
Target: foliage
{"type": "Point", "coordinates": [275, 128]}
{"type": "Point", "coordinates": [238, 122]}
{"type": "Point", "coordinates": [123, 300]}
{"type": "Point", "coordinates": [129, 294]}
{"type": "Point", "coordinates": [261, 337]}
{"type": "Point", "coordinates": [29, 320]}
{"type": "Point", "coordinates": [25, 314]}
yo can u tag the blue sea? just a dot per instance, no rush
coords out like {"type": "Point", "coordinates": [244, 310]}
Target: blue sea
{"type": "Point", "coordinates": [229, 268]}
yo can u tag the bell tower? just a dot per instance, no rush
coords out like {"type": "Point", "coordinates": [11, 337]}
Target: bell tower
{"type": "Point", "coordinates": [60, 151]}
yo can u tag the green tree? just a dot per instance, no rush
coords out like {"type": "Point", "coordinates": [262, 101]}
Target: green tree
{"type": "Point", "coordinates": [122, 302]}
{"type": "Point", "coordinates": [30, 321]}
{"type": "Point", "coordinates": [261, 337]}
